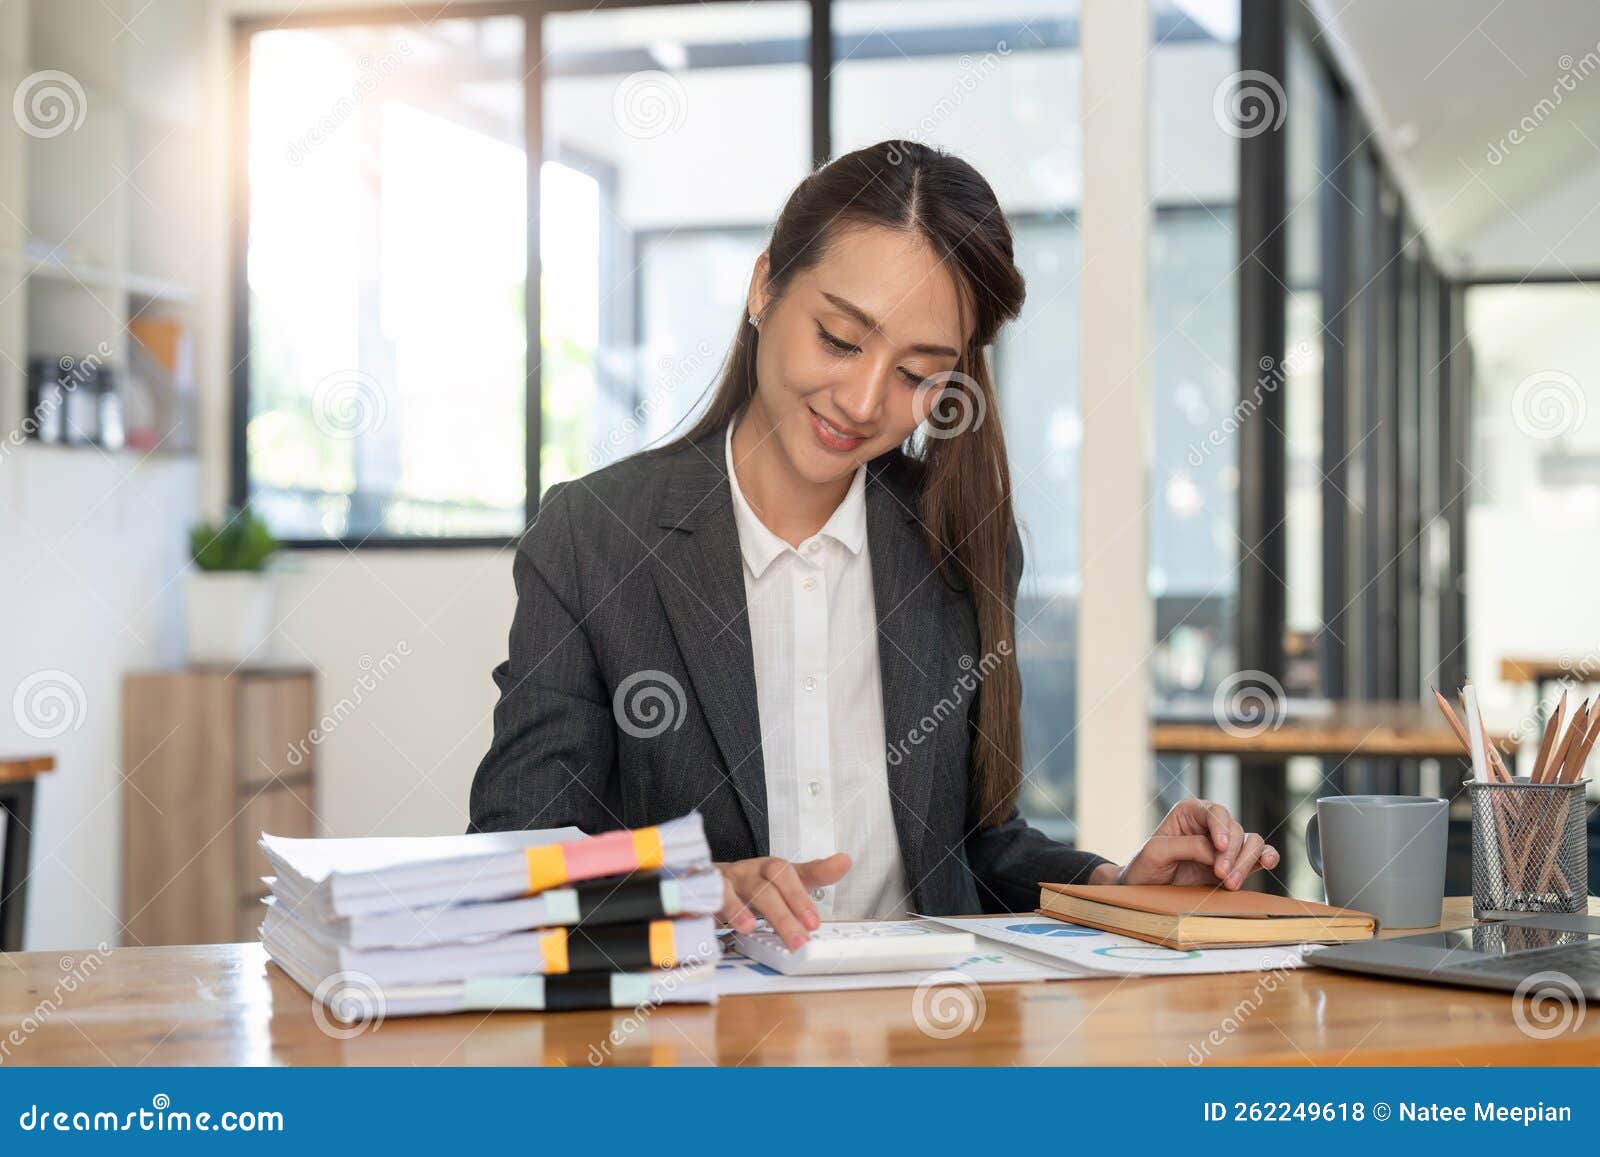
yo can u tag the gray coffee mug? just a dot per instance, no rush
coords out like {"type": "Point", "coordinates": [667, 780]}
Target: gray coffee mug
{"type": "Point", "coordinates": [1382, 854]}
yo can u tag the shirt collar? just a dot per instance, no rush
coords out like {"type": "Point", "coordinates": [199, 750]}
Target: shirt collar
{"type": "Point", "coordinates": [847, 525]}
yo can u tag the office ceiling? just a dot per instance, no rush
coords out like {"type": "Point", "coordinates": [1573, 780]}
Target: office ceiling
{"type": "Point", "coordinates": [1489, 113]}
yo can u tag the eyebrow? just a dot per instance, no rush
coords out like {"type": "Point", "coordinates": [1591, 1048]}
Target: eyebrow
{"type": "Point", "coordinates": [871, 322]}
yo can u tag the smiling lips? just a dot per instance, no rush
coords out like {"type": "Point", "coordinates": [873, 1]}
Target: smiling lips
{"type": "Point", "coordinates": [831, 437]}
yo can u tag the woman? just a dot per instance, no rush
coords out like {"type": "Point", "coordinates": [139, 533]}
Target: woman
{"type": "Point", "coordinates": [797, 618]}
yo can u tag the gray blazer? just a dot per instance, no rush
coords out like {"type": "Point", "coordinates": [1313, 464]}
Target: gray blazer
{"type": "Point", "coordinates": [630, 580]}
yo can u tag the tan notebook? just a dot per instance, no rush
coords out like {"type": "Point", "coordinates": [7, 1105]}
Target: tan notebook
{"type": "Point", "coordinates": [1201, 917]}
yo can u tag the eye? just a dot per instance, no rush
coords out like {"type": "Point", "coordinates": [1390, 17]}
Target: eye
{"type": "Point", "coordinates": [914, 378]}
{"type": "Point", "coordinates": [838, 345]}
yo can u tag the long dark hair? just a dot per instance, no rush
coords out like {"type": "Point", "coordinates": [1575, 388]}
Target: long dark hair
{"type": "Point", "coordinates": [965, 487]}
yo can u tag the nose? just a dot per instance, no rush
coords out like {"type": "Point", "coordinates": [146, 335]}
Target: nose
{"type": "Point", "coordinates": [860, 397]}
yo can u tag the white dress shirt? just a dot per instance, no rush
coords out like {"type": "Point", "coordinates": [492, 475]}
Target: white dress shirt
{"type": "Point", "coordinates": [814, 634]}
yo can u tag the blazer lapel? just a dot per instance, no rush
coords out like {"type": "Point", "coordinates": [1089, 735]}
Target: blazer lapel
{"type": "Point", "coordinates": [906, 594]}
{"type": "Point", "coordinates": [699, 574]}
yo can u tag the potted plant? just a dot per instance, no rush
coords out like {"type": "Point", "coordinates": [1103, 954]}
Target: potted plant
{"type": "Point", "coordinates": [230, 590]}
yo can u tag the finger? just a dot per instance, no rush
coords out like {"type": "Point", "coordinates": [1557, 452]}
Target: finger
{"type": "Point", "coordinates": [1270, 857]}
{"type": "Point", "coordinates": [1217, 820]}
{"type": "Point", "coordinates": [771, 905]}
{"type": "Point", "coordinates": [734, 912]}
{"type": "Point", "coordinates": [821, 873]}
{"type": "Point", "coordinates": [781, 888]}
{"type": "Point", "coordinates": [1164, 851]}
{"type": "Point", "coordinates": [1235, 844]}
{"type": "Point", "coordinates": [1245, 862]}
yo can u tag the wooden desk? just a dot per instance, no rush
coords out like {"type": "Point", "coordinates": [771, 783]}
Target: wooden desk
{"type": "Point", "coordinates": [224, 1005]}
{"type": "Point", "coordinates": [17, 778]}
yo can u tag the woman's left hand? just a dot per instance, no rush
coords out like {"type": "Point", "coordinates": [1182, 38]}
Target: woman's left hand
{"type": "Point", "coordinates": [1198, 843]}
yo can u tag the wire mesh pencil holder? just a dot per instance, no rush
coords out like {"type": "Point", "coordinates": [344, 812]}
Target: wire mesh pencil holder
{"type": "Point", "coordinates": [1530, 848]}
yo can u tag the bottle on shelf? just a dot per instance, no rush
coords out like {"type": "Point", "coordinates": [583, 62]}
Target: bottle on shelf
{"type": "Point", "coordinates": [109, 401]}
{"type": "Point", "coordinates": [45, 400]}
{"type": "Point", "coordinates": [78, 381]}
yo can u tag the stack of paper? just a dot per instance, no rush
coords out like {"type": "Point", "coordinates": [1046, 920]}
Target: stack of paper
{"type": "Point", "coordinates": [516, 920]}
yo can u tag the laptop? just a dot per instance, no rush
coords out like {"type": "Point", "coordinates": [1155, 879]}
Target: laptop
{"type": "Point", "coordinates": [1501, 954]}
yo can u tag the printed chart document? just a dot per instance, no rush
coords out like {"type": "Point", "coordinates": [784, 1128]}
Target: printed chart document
{"type": "Point", "coordinates": [1093, 952]}
{"type": "Point", "coordinates": [992, 963]}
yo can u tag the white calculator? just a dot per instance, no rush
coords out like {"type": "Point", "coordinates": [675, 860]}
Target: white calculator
{"type": "Point", "coordinates": [859, 947]}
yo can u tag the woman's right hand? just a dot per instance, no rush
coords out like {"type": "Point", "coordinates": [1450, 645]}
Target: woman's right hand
{"type": "Point", "coordinates": [778, 890]}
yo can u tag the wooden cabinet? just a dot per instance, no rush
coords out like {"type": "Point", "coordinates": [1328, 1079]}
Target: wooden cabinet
{"type": "Point", "coordinates": [211, 758]}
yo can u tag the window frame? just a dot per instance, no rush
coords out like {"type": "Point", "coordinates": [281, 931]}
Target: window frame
{"type": "Point", "coordinates": [531, 12]}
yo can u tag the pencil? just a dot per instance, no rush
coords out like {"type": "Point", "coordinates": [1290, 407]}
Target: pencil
{"type": "Point", "coordinates": [1580, 758]}
{"type": "Point", "coordinates": [1576, 728]}
{"type": "Point", "coordinates": [1480, 765]}
{"type": "Point", "coordinates": [1552, 726]}
{"type": "Point", "coordinates": [1495, 762]}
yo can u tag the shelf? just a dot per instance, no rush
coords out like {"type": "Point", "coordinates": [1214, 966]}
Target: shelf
{"type": "Point", "coordinates": [99, 277]}
{"type": "Point", "coordinates": [163, 453]}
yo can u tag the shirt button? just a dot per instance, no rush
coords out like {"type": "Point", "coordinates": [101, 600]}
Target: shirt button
{"type": "Point", "coordinates": [811, 546]}
{"type": "Point", "coordinates": [810, 684]}
{"type": "Point", "coordinates": [817, 893]}
{"type": "Point", "coordinates": [809, 585]}
{"type": "Point", "coordinates": [814, 788]}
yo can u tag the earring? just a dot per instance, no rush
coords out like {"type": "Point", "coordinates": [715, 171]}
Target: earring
{"type": "Point", "coordinates": [755, 319]}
